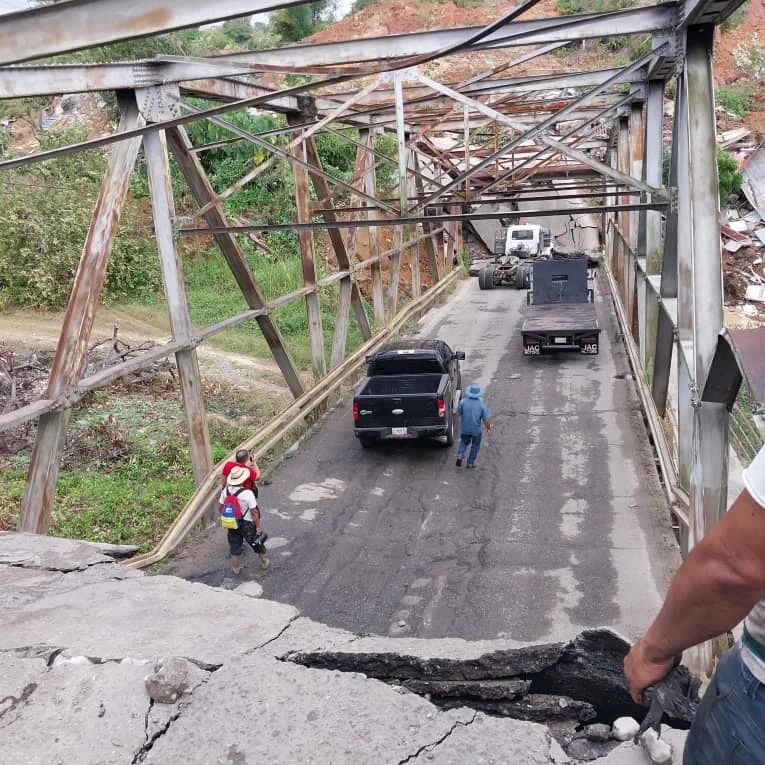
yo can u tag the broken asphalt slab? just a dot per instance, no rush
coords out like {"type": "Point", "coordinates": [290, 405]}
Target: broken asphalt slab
{"type": "Point", "coordinates": [74, 663]}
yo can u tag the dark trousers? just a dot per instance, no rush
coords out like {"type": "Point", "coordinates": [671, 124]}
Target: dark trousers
{"type": "Point", "coordinates": [245, 533]}
{"type": "Point", "coordinates": [475, 445]}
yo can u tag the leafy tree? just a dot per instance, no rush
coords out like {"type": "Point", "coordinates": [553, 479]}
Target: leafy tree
{"type": "Point", "coordinates": [299, 21]}
{"type": "Point", "coordinates": [46, 210]}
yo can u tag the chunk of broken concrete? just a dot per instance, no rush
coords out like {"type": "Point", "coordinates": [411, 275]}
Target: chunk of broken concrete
{"type": "Point", "coordinates": [488, 690]}
{"type": "Point", "coordinates": [659, 751]}
{"type": "Point", "coordinates": [172, 678]}
{"type": "Point", "coordinates": [598, 732]}
{"type": "Point", "coordinates": [584, 750]}
{"type": "Point", "coordinates": [625, 728]}
{"type": "Point", "coordinates": [250, 589]}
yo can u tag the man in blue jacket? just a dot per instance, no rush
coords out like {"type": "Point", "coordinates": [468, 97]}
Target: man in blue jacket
{"type": "Point", "coordinates": [473, 413]}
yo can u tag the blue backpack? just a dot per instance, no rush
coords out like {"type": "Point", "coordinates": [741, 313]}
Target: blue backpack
{"type": "Point", "coordinates": [231, 515]}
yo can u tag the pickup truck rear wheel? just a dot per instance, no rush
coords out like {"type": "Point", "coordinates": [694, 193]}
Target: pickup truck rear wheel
{"type": "Point", "coordinates": [486, 278]}
{"type": "Point", "coordinates": [367, 442]}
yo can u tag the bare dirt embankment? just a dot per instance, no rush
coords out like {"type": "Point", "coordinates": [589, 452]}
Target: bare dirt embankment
{"type": "Point", "coordinates": [26, 331]}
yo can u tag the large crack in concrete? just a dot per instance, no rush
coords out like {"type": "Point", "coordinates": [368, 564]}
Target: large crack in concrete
{"type": "Point", "coordinates": [579, 682]}
{"type": "Point", "coordinates": [11, 702]}
{"type": "Point", "coordinates": [151, 738]}
{"type": "Point", "coordinates": [58, 569]}
{"type": "Point", "coordinates": [434, 744]}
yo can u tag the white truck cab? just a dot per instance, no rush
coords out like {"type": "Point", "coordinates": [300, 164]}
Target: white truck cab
{"type": "Point", "coordinates": [528, 240]}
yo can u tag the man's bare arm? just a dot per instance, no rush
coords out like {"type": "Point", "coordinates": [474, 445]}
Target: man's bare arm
{"type": "Point", "coordinates": [714, 589]}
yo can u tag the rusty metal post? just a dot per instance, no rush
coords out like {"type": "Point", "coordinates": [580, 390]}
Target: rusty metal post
{"type": "Point", "coordinates": [204, 195]}
{"type": "Point", "coordinates": [637, 157]}
{"type": "Point", "coordinates": [650, 220]}
{"type": "Point", "coordinates": [163, 209]}
{"type": "Point", "coordinates": [401, 232]}
{"type": "Point", "coordinates": [466, 140]}
{"type": "Point", "coordinates": [308, 260]}
{"type": "Point", "coordinates": [367, 137]}
{"type": "Point", "coordinates": [348, 285]}
{"type": "Point", "coordinates": [623, 218]}
{"type": "Point", "coordinates": [71, 350]}
{"type": "Point", "coordinates": [414, 250]}
{"type": "Point", "coordinates": [431, 257]}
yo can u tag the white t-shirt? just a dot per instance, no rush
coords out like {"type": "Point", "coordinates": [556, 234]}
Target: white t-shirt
{"type": "Point", "coordinates": [246, 499]}
{"type": "Point", "coordinates": [754, 480]}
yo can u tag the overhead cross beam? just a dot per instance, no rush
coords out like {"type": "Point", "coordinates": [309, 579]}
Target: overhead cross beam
{"type": "Point", "coordinates": [538, 131]}
{"type": "Point", "coordinates": [77, 24]}
{"type": "Point", "coordinates": [518, 33]}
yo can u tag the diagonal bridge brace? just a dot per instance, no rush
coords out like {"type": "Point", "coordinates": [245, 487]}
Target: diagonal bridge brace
{"type": "Point", "coordinates": [600, 167]}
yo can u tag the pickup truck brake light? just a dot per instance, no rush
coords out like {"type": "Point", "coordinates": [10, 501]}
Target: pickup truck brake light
{"type": "Point", "coordinates": [441, 408]}
{"type": "Point", "coordinates": [356, 415]}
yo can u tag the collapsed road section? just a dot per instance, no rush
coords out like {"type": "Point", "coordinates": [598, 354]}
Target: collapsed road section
{"type": "Point", "coordinates": [118, 667]}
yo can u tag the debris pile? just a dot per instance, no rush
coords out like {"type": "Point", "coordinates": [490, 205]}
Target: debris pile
{"type": "Point", "coordinates": [742, 225]}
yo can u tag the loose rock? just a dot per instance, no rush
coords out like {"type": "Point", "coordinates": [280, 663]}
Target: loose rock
{"type": "Point", "coordinates": [625, 728]}
{"type": "Point", "coordinates": [598, 732]}
{"type": "Point", "coordinates": [172, 678]}
{"type": "Point", "coordinates": [659, 751]}
{"type": "Point", "coordinates": [585, 750]}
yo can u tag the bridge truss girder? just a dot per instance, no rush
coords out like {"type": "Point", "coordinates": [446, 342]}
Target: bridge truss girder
{"type": "Point", "coordinates": [667, 284]}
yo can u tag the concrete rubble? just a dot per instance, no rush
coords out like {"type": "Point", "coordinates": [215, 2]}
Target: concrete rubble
{"type": "Point", "coordinates": [117, 667]}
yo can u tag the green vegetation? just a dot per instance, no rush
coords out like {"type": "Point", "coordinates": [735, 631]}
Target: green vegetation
{"type": "Point", "coordinates": [736, 98]}
{"type": "Point", "coordinates": [127, 472]}
{"type": "Point", "coordinates": [46, 210]}
{"type": "Point", "coordinates": [729, 176]}
{"type": "Point", "coordinates": [299, 21]}
{"type": "Point", "coordinates": [750, 58]}
{"type": "Point", "coordinates": [744, 435]}
{"type": "Point", "coordinates": [567, 7]}
{"type": "Point", "coordinates": [736, 19]}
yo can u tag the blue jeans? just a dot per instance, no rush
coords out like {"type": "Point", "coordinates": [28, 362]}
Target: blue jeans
{"type": "Point", "coordinates": [729, 727]}
{"type": "Point", "coordinates": [475, 445]}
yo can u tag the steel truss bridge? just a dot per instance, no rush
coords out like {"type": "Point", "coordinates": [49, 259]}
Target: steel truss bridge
{"type": "Point", "coordinates": [601, 129]}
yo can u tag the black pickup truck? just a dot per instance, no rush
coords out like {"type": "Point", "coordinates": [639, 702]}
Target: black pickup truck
{"type": "Point", "coordinates": [411, 391]}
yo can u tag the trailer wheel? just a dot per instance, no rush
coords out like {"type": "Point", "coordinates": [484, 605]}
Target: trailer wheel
{"type": "Point", "coordinates": [367, 442]}
{"type": "Point", "coordinates": [486, 278]}
{"type": "Point", "coordinates": [521, 280]}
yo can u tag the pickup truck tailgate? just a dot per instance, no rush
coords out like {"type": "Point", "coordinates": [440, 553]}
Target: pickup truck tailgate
{"type": "Point", "coordinates": [401, 401]}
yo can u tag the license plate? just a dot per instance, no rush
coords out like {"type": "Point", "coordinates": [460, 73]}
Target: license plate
{"type": "Point", "coordinates": [560, 340]}
{"type": "Point", "coordinates": [398, 431]}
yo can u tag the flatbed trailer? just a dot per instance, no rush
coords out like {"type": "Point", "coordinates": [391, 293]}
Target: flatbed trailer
{"type": "Point", "coordinates": [560, 314]}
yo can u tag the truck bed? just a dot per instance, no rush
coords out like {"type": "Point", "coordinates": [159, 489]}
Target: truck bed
{"type": "Point", "coordinates": [401, 385]}
{"type": "Point", "coordinates": [560, 317]}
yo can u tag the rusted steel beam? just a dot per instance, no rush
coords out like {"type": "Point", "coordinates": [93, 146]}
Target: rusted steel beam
{"type": "Point", "coordinates": [283, 153]}
{"type": "Point", "coordinates": [62, 27]}
{"type": "Point", "coordinates": [163, 211]}
{"type": "Point", "coordinates": [432, 219]}
{"type": "Point", "coordinates": [401, 232]}
{"type": "Point", "coordinates": [308, 261]}
{"type": "Point", "coordinates": [71, 350]}
{"type": "Point", "coordinates": [336, 238]}
{"type": "Point", "coordinates": [431, 258]}
{"type": "Point", "coordinates": [367, 137]}
{"type": "Point", "coordinates": [203, 193]}
{"type": "Point", "coordinates": [624, 219]}
{"type": "Point", "coordinates": [537, 131]}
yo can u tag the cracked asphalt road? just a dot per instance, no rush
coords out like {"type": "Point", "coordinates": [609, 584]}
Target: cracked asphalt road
{"type": "Point", "coordinates": [561, 527]}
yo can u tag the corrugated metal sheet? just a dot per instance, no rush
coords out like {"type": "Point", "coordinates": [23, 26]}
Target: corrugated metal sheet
{"type": "Point", "coordinates": [754, 180]}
